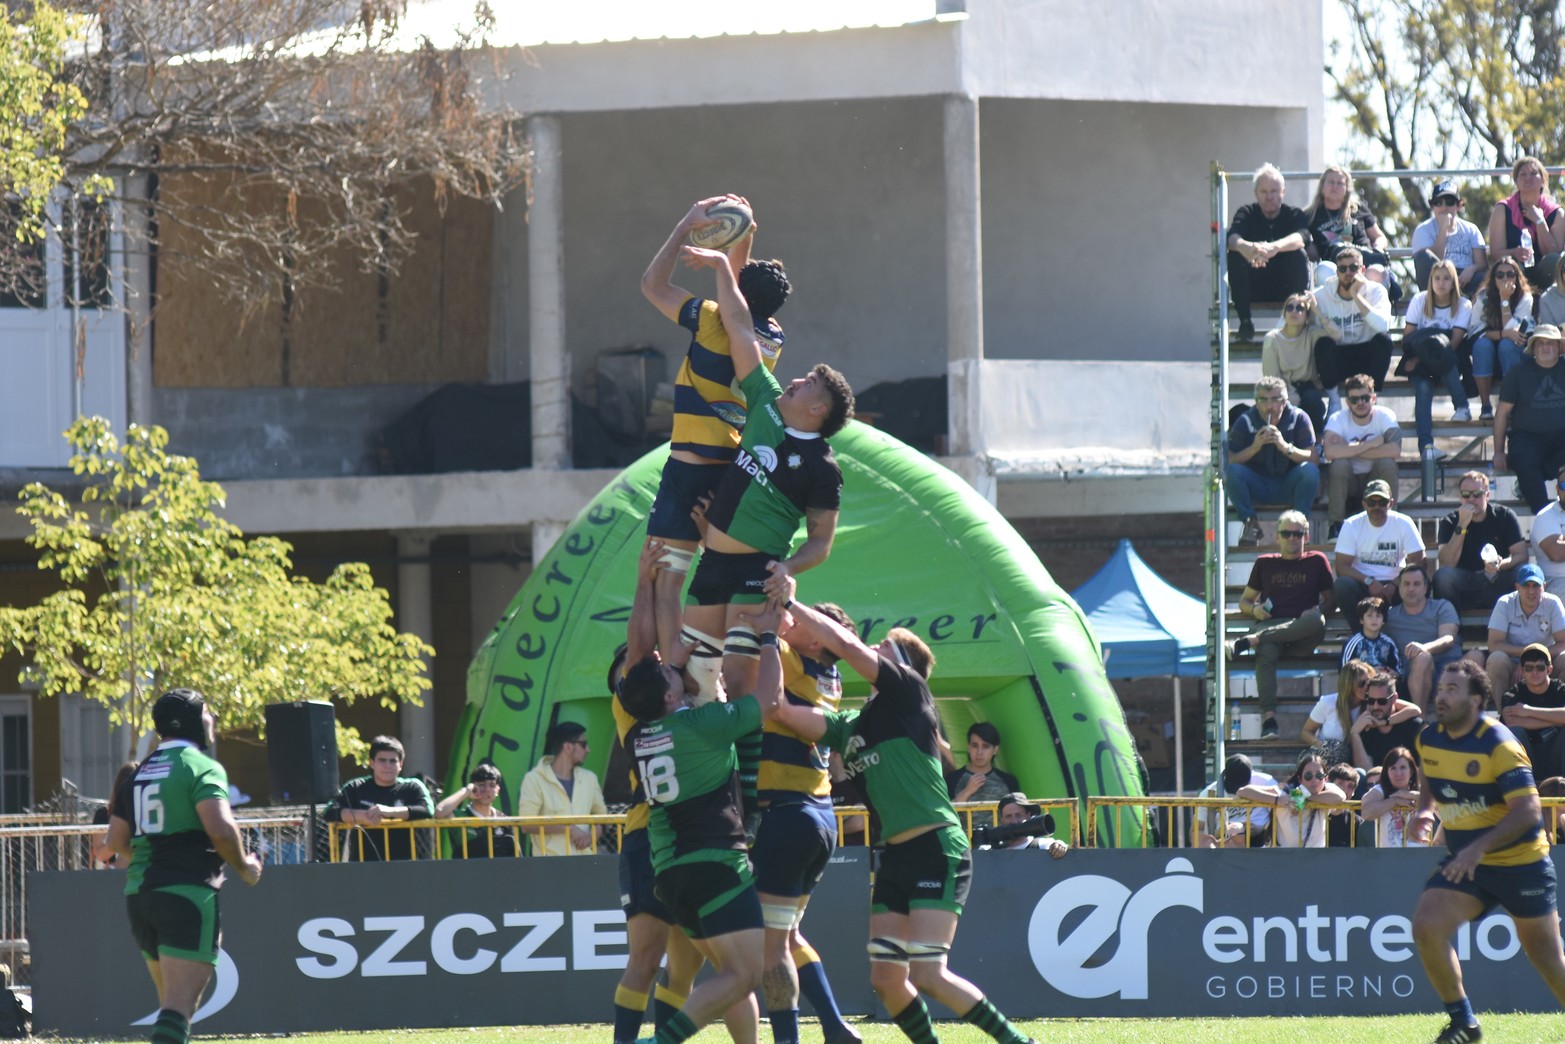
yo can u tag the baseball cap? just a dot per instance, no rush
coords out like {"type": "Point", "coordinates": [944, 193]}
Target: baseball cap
{"type": "Point", "coordinates": [1535, 652]}
{"type": "Point", "coordinates": [1529, 574]}
{"type": "Point", "coordinates": [1444, 187]}
{"type": "Point", "coordinates": [1377, 488]}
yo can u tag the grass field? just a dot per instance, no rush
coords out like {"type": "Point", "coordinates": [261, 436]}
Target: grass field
{"type": "Point", "coordinates": [1522, 1029]}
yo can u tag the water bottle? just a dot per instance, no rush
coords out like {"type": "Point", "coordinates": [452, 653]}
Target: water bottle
{"type": "Point", "coordinates": [1490, 557]}
{"type": "Point", "coordinates": [1526, 247]}
{"type": "Point", "coordinates": [1233, 722]}
{"type": "Point", "coordinates": [1298, 796]}
{"type": "Point", "coordinates": [1431, 474]}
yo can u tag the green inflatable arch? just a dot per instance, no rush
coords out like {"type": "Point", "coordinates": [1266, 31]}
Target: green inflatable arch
{"type": "Point", "coordinates": [915, 547]}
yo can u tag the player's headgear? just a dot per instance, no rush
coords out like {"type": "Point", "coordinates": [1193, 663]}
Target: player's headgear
{"type": "Point", "coordinates": [177, 715]}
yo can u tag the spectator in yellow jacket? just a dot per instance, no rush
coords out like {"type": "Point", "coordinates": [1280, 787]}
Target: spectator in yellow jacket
{"type": "Point", "coordinates": [559, 786]}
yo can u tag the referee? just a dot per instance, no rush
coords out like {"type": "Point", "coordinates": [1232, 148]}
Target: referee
{"type": "Point", "coordinates": [173, 823]}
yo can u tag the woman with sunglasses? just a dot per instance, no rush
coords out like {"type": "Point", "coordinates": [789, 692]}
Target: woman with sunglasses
{"type": "Point", "coordinates": [1288, 353]}
{"type": "Point", "coordinates": [1432, 349]}
{"type": "Point", "coordinates": [1390, 804]}
{"type": "Point", "coordinates": [476, 800]}
{"type": "Point", "coordinates": [1385, 722]}
{"type": "Point", "coordinates": [1529, 211]}
{"type": "Point", "coordinates": [1361, 312]}
{"type": "Point", "coordinates": [1299, 824]}
{"type": "Point", "coordinates": [1502, 311]}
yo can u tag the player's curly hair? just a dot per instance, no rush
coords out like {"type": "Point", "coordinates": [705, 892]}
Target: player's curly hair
{"type": "Point", "coordinates": [765, 287]}
{"type": "Point", "coordinates": [919, 656]}
{"type": "Point", "coordinates": [842, 401]}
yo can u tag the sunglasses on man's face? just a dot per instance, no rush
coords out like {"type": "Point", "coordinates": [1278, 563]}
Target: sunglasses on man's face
{"type": "Point", "coordinates": [1473, 494]}
{"type": "Point", "coordinates": [1378, 701]}
{"type": "Point", "coordinates": [1292, 534]}
{"type": "Point", "coordinates": [1359, 400]}
{"type": "Point", "coordinates": [1534, 668]}
{"type": "Point", "coordinates": [1347, 269]}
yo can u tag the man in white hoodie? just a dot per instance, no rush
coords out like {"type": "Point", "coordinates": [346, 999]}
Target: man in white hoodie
{"type": "Point", "coordinates": [559, 786]}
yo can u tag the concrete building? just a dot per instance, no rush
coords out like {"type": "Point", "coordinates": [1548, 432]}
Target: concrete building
{"type": "Point", "coordinates": [1008, 195]}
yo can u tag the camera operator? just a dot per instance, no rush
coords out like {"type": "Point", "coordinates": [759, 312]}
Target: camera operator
{"type": "Point", "coordinates": [1022, 825]}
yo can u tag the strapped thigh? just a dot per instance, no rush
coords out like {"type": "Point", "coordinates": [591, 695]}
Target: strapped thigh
{"type": "Point", "coordinates": [888, 950]}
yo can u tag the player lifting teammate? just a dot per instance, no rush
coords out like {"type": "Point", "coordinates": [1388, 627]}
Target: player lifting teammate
{"type": "Point", "coordinates": [926, 870]}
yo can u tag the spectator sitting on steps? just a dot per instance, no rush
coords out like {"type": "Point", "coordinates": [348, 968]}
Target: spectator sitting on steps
{"type": "Point", "coordinates": [1426, 628]}
{"type": "Point", "coordinates": [1271, 450]}
{"type": "Point", "coordinates": [1529, 424]}
{"type": "Point", "coordinates": [1371, 547]}
{"type": "Point", "coordinates": [1534, 709]}
{"type": "Point", "coordinates": [1362, 313]}
{"type": "Point", "coordinates": [1465, 578]}
{"type": "Point", "coordinates": [1289, 353]}
{"type": "Point", "coordinates": [1287, 597]}
{"type": "Point", "coordinates": [1447, 236]}
{"type": "Point", "coordinates": [1266, 242]}
{"type": "Point", "coordinates": [1548, 539]}
{"type": "Point", "coordinates": [1363, 442]}
{"type": "Point", "coordinates": [1521, 618]}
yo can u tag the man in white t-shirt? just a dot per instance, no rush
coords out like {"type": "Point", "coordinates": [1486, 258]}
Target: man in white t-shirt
{"type": "Point", "coordinates": [1224, 827]}
{"type": "Point", "coordinates": [1447, 236]}
{"type": "Point", "coordinates": [1548, 539]}
{"type": "Point", "coordinates": [1363, 442]}
{"type": "Point", "coordinates": [1372, 547]}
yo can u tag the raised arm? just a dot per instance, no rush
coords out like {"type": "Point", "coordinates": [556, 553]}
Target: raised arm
{"type": "Point", "coordinates": [448, 804]}
{"type": "Point", "coordinates": [657, 282]}
{"type": "Point", "coordinates": [731, 305]}
{"type": "Point", "coordinates": [641, 632]}
{"type": "Point", "coordinates": [843, 643]}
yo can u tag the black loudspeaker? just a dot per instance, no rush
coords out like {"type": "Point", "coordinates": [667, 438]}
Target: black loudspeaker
{"type": "Point", "coordinates": [301, 752]}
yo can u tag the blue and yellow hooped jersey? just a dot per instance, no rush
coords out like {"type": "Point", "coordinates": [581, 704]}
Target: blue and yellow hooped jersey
{"type": "Point", "coordinates": [1471, 776]}
{"type": "Point", "coordinates": [638, 813]}
{"type": "Point", "coordinates": [709, 408]}
{"type": "Point", "coordinates": [794, 769]}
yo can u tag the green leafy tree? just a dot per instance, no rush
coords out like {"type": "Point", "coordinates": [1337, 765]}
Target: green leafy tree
{"type": "Point", "coordinates": [162, 591]}
{"type": "Point", "coordinates": [38, 107]}
{"type": "Point", "coordinates": [1435, 86]}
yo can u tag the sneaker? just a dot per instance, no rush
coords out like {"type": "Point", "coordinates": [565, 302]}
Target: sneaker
{"type": "Point", "coordinates": [1486, 413]}
{"type": "Point", "coordinates": [1232, 648]}
{"type": "Point", "coordinates": [1269, 728]}
{"type": "Point", "coordinates": [1334, 531]}
{"type": "Point", "coordinates": [1246, 330]}
{"type": "Point", "coordinates": [1437, 453]}
{"type": "Point", "coordinates": [1462, 416]}
{"type": "Point", "coordinates": [1251, 535]}
{"type": "Point", "coordinates": [1454, 1034]}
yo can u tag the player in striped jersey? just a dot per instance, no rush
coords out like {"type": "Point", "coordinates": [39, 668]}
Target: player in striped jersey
{"type": "Point", "coordinates": [709, 407]}
{"type": "Point", "coordinates": [797, 835]}
{"type": "Point", "coordinates": [1478, 778]}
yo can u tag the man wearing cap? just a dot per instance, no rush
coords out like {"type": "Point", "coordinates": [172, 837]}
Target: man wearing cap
{"type": "Point", "coordinates": [1363, 442]}
{"type": "Point", "coordinates": [1529, 422]}
{"type": "Point", "coordinates": [1526, 616]}
{"type": "Point", "coordinates": [1014, 809]}
{"type": "Point", "coordinates": [1534, 709]}
{"type": "Point", "coordinates": [1447, 236]}
{"type": "Point", "coordinates": [1464, 578]}
{"type": "Point", "coordinates": [1224, 827]}
{"type": "Point", "coordinates": [171, 820]}
{"type": "Point", "coordinates": [1371, 548]}
{"type": "Point", "coordinates": [1548, 539]}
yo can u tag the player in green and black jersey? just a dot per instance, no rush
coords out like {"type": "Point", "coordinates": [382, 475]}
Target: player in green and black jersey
{"type": "Point", "coordinates": [684, 757]}
{"type": "Point", "coordinates": [173, 823]}
{"type": "Point", "coordinates": [892, 744]}
{"type": "Point", "coordinates": [784, 472]}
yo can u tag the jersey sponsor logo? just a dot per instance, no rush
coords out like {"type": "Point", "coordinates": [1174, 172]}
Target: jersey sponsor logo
{"type": "Point", "coordinates": [1448, 792]}
{"type": "Point", "coordinates": [457, 944]}
{"type": "Point", "coordinates": [771, 411]}
{"type": "Point", "coordinates": [155, 770]}
{"type": "Point", "coordinates": [1472, 768]}
{"type": "Point", "coordinates": [752, 467]}
{"type": "Point", "coordinates": [732, 413]}
{"type": "Point", "coordinates": [659, 743]}
{"type": "Point", "coordinates": [795, 461]}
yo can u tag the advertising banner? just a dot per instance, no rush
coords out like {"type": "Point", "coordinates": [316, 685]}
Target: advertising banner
{"type": "Point", "coordinates": [1164, 932]}
{"type": "Point", "coordinates": [389, 945]}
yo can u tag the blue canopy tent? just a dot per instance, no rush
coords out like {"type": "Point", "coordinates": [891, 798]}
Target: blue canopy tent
{"type": "Point", "coordinates": [1147, 628]}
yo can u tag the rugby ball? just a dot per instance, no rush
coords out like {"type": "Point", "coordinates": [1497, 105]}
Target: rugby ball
{"type": "Point", "coordinates": [734, 221]}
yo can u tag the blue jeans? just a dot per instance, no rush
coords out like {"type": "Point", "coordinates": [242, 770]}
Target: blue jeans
{"type": "Point", "coordinates": [1485, 350]}
{"type": "Point", "coordinates": [1297, 488]}
{"type": "Point", "coordinates": [1424, 402]}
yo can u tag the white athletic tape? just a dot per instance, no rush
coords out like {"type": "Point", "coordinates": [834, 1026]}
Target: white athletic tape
{"type": "Point", "coordinates": [887, 950]}
{"type": "Point", "coordinates": [778, 917]}
{"type": "Point", "coordinates": [676, 560]}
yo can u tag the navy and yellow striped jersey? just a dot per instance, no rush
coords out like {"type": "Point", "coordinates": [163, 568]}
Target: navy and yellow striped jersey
{"type": "Point", "coordinates": [1471, 776]}
{"type": "Point", "coordinates": [638, 813]}
{"type": "Point", "coordinates": [709, 408]}
{"type": "Point", "coordinates": [794, 770]}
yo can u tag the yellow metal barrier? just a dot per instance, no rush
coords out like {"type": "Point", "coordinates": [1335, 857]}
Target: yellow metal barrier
{"type": "Point", "coordinates": [1222, 810]}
